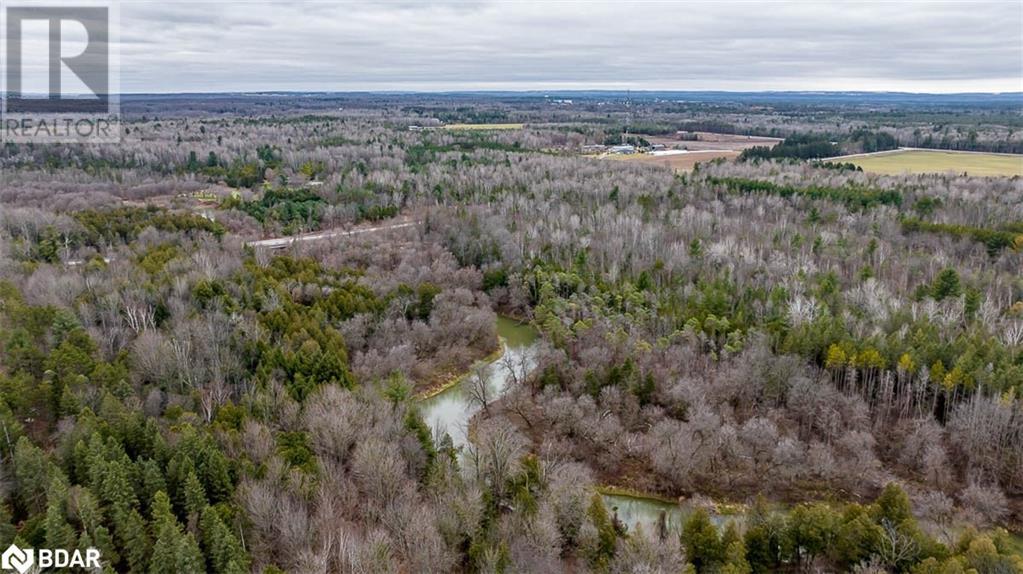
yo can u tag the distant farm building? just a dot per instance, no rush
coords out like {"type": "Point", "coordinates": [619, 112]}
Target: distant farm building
{"type": "Point", "coordinates": [622, 149]}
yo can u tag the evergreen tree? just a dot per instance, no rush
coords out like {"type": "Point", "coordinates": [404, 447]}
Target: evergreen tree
{"type": "Point", "coordinates": [934, 566]}
{"type": "Point", "coordinates": [857, 538]}
{"type": "Point", "coordinates": [59, 534]}
{"type": "Point", "coordinates": [812, 529]}
{"type": "Point", "coordinates": [603, 552]}
{"type": "Point", "coordinates": [179, 468]}
{"type": "Point", "coordinates": [700, 539]}
{"type": "Point", "coordinates": [188, 557]}
{"type": "Point", "coordinates": [133, 540]}
{"type": "Point", "coordinates": [762, 549]}
{"type": "Point", "coordinates": [892, 505]}
{"type": "Point", "coordinates": [764, 538]}
{"type": "Point", "coordinates": [946, 285]}
{"type": "Point", "coordinates": [91, 518]}
{"type": "Point", "coordinates": [195, 496]}
{"type": "Point", "coordinates": [730, 535]}
{"type": "Point", "coordinates": [165, 549]}
{"type": "Point", "coordinates": [7, 530]}
{"type": "Point", "coordinates": [173, 550]}
{"type": "Point", "coordinates": [216, 475]}
{"type": "Point", "coordinates": [101, 540]}
{"type": "Point", "coordinates": [31, 476]}
{"type": "Point", "coordinates": [735, 559]}
{"type": "Point", "coordinates": [150, 479]}
{"type": "Point", "coordinates": [644, 389]}
{"type": "Point", "coordinates": [223, 551]}
{"type": "Point", "coordinates": [116, 487]}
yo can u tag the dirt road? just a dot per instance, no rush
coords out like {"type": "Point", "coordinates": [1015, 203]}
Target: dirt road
{"type": "Point", "coordinates": [282, 242]}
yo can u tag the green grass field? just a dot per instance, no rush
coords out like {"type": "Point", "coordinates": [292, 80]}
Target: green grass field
{"type": "Point", "coordinates": [916, 161]}
{"type": "Point", "coordinates": [484, 126]}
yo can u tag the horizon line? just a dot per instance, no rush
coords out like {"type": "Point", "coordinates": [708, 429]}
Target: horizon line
{"type": "Point", "coordinates": [538, 91]}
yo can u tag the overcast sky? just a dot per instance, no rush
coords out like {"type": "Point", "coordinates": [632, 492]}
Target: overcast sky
{"type": "Point", "coordinates": [327, 46]}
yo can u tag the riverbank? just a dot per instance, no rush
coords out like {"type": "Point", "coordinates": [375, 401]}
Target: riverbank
{"type": "Point", "coordinates": [447, 381]}
{"type": "Point", "coordinates": [448, 408]}
{"type": "Point", "coordinates": [611, 490]}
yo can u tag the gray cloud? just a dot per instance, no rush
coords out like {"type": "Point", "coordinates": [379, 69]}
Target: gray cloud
{"type": "Point", "coordinates": [316, 45]}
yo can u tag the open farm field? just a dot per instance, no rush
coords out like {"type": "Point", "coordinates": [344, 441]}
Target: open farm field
{"type": "Point", "coordinates": [713, 141]}
{"type": "Point", "coordinates": [927, 161]}
{"type": "Point", "coordinates": [678, 161]}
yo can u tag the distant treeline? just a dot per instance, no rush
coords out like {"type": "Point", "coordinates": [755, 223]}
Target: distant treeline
{"type": "Point", "coordinates": [469, 115]}
{"type": "Point", "coordinates": [838, 165]}
{"type": "Point", "coordinates": [814, 146]}
{"type": "Point", "coordinates": [969, 143]}
{"type": "Point", "coordinates": [617, 138]}
{"type": "Point", "coordinates": [860, 140]}
{"type": "Point", "coordinates": [1007, 236]}
{"type": "Point", "coordinates": [722, 127]}
{"type": "Point", "coordinates": [852, 197]}
{"type": "Point", "coordinates": [869, 141]}
{"type": "Point", "coordinates": [800, 146]}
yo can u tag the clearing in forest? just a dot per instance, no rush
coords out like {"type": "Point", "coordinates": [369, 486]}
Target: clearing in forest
{"type": "Point", "coordinates": [683, 150]}
{"type": "Point", "coordinates": [927, 161]}
{"type": "Point", "coordinates": [480, 127]}
{"type": "Point", "coordinates": [682, 161]}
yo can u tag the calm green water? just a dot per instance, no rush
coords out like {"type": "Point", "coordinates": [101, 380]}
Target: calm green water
{"type": "Point", "coordinates": [633, 511]}
{"type": "Point", "coordinates": [516, 335]}
{"type": "Point", "coordinates": [648, 511]}
{"type": "Point", "coordinates": [451, 410]}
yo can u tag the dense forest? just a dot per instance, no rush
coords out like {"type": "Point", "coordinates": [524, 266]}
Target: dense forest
{"type": "Point", "coordinates": [815, 146]}
{"type": "Point", "coordinates": [837, 354]}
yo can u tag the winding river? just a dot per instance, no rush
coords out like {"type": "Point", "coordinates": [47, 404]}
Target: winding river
{"type": "Point", "coordinates": [451, 410]}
